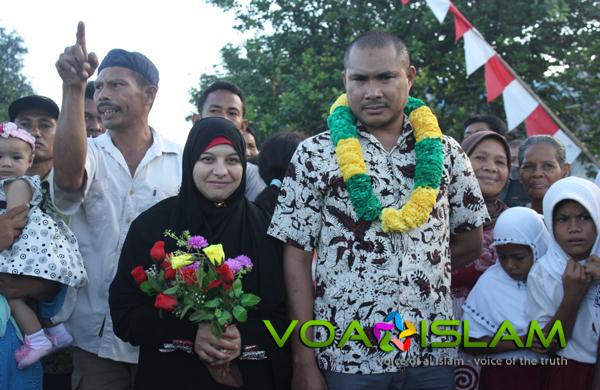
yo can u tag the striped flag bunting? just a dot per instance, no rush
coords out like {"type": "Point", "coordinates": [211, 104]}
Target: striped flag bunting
{"type": "Point", "coordinates": [520, 104]}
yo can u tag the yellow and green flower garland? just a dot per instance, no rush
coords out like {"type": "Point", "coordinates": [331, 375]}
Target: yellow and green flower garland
{"type": "Point", "coordinates": [428, 170]}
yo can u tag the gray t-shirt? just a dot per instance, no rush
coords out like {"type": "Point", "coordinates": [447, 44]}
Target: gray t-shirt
{"type": "Point", "coordinates": [254, 183]}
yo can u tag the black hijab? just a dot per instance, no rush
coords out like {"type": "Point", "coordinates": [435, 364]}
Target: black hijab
{"type": "Point", "coordinates": [196, 212]}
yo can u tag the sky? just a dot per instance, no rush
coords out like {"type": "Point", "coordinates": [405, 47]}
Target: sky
{"type": "Point", "coordinates": [182, 37]}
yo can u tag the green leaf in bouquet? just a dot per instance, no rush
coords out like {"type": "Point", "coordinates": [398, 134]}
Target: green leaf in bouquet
{"type": "Point", "coordinates": [201, 315]}
{"type": "Point", "coordinates": [186, 308]}
{"type": "Point", "coordinates": [218, 313]}
{"type": "Point", "coordinates": [215, 302]}
{"type": "Point", "coordinates": [216, 328]}
{"type": "Point", "coordinates": [189, 300]}
{"type": "Point", "coordinates": [146, 288]}
{"type": "Point", "coordinates": [154, 284]}
{"type": "Point", "coordinates": [225, 318]}
{"type": "Point", "coordinates": [172, 290]}
{"type": "Point", "coordinates": [236, 288]}
{"type": "Point", "coordinates": [249, 300]}
{"type": "Point", "coordinates": [200, 275]}
{"type": "Point", "coordinates": [240, 313]}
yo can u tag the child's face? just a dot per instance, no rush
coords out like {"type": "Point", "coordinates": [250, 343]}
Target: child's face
{"type": "Point", "coordinates": [574, 229]}
{"type": "Point", "coordinates": [15, 157]}
{"type": "Point", "coordinates": [516, 260]}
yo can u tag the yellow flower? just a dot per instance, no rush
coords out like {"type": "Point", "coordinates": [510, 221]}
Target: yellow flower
{"type": "Point", "coordinates": [215, 253]}
{"type": "Point", "coordinates": [413, 214]}
{"type": "Point", "coordinates": [181, 260]}
{"type": "Point", "coordinates": [424, 123]}
{"type": "Point", "coordinates": [350, 158]}
{"type": "Point", "coordinates": [340, 101]}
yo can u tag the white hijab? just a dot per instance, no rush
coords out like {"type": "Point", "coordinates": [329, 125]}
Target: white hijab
{"type": "Point", "coordinates": [583, 342]}
{"type": "Point", "coordinates": [583, 192]}
{"type": "Point", "coordinates": [496, 296]}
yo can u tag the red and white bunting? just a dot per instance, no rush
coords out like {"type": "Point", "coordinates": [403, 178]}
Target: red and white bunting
{"type": "Point", "coordinates": [519, 103]}
{"type": "Point", "coordinates": [477, 51]}
{"type": "Point", "coordinates": [571, 148]}
{"type": "Point", "coordinates": [497, 77]}
{"type": "Point", "coordinates": [539, 122]}
{"type": "Point", "coordinates": [439, 8]}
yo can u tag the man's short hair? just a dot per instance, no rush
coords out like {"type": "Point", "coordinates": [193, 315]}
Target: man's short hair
{"type": "Point", "coordinates": [496, 124]}
{"type": "Point", "coordinates": [377, 40]}
{"type": "Point", "coordinates": [89, 90]}
{"type": "Point", "coordinates": [217, 86]}
{"type": "Point", "coordinates": [251, 131]}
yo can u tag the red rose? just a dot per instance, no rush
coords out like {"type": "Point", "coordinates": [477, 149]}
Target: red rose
{"type": "Point", "coordinates": [165, 302]}
{"type": "Point", "coordinates": [213, 284]}
{"type": "Point", "coordinates": [169, 273]}
{"type": "Point", "coordinates": [226, 274]}
{"type": "Point", "coordinates": [139, 274]}
{"type": "Point", "coordinates": [166, 264]}
{"type": "Point", "coordinates": [158, 251]}
{"type": "Point", "coordinates": [189, 276]}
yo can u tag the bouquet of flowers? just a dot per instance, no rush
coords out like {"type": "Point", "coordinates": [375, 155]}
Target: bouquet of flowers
{"type": "Point", "coordinates": [196, 281]}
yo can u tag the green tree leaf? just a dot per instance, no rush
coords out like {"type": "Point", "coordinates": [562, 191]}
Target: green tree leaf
{"type": "Point", "coordinates": [291, 66]}
{"type": "Point", "coordinates": [13, 83]}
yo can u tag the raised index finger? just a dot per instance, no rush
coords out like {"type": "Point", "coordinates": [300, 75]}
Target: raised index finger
{"type": "Point", "coordinates": [81, 38]}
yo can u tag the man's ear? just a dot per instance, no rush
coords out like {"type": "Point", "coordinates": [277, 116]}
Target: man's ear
{"type": "Point", "coordinates": [150, 92]}
{"type": "Point", "coordinates": [344, 78]}
{"type": "Point", "coordinates": [411, 73]}
{"type": "Point", "coordinates": [244, 125]}
{"type": "Point", "coordinates": [196, 118]}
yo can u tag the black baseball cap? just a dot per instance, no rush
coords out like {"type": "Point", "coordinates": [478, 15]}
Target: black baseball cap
{"type": "Point", "coordinates": [33, 101]}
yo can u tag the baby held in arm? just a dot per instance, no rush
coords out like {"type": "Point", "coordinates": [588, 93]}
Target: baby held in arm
{"type": "Point", "coordinates": [44, 258]}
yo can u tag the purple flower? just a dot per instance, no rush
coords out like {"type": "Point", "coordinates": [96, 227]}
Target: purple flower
{"type": "Point", "coordinates": [244, 261]}
{"type": "Point", "coordinates": [234, 265]}
{"type": "Point", "coordinates": [197, 242]}
{"type": "Point", "coordinates": [193, 266]}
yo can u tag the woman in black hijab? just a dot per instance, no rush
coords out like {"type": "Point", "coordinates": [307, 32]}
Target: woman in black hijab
{"type": "Point", "coordinates": [211, 203]}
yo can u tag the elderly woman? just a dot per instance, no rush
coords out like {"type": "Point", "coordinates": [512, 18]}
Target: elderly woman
{"type": "Point", "coordinates": [542, 161]}
{"type": "Point", "coordinates": [210, 203]}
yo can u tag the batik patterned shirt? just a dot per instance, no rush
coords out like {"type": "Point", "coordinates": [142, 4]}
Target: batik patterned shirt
{"type": "Point", "coordinates": [363, 273]}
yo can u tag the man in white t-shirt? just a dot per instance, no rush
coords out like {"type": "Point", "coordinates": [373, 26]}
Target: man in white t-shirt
{"type": "Point", "coordinates": [104, 183]}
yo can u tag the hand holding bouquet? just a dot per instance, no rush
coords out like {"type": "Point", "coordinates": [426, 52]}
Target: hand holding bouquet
{"type": "Point", "coordinates": [198, 283]}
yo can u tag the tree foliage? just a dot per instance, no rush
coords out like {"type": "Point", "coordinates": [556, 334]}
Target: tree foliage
{"type": "Point", "coordinates": [291, 69]}
{"type": "Point", "coordinates": [12, 83]}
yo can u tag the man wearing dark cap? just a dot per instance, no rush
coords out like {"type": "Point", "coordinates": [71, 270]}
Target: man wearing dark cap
{"type": "Point", "coordinates": [104, 183]}
{"type": "Point", "coordinates": [38, 115]}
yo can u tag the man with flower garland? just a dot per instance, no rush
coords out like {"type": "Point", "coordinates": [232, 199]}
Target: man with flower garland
{"type": "Point", "coordinates": [387, 229]}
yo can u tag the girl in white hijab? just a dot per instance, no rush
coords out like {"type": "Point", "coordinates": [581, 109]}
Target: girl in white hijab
{"type": "Point", "coordinates": [559, 287]}
{"type": "Point", "coordinates": [520, 239]}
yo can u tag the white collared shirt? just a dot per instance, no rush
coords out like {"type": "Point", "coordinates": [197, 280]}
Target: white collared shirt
{"type": "Point", "coordinates": [101, 216]}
